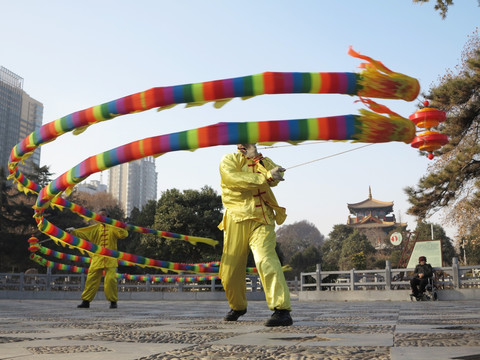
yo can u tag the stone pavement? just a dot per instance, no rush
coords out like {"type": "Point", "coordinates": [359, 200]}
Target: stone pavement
{"type": "Point", "coordinates": [150, 330]}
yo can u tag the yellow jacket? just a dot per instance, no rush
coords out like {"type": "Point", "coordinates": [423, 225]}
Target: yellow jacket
{"type": "Point", "coordinates": [246, 190]}
{"type": "Point", "coordinates": [102, 235]}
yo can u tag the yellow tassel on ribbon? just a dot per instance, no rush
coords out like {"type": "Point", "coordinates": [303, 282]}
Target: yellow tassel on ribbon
{"type": "Point", "coordinates": [376, 80]}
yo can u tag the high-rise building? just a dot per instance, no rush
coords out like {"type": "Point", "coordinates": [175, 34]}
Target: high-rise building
{"type": "Point", "coordinates": [20, 115]}
{"type": "Point", "coordinates": [133, 184]}
{"type": "Point", "coordinates": [91, 187]}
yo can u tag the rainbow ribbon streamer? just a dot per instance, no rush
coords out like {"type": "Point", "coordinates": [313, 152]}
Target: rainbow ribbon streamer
{"type": "Point", "coordinates": [35, 248]}
{"type": "Point", "coordinates": [375, 80]}
{"type": "Point", "coordinates": [147, 278]}
{"type": "Point", "coordinates": [58, 235]}
{"type": "Point", "coordinates": [90, 215]}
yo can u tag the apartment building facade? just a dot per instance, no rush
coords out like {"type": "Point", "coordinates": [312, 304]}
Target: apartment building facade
{"type": "Point", "coordinates": [20, 115]}
{"type": "Point", "coordinates": [133, 184]}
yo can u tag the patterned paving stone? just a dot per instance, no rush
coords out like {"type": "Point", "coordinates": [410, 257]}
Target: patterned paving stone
{"type": "Point", "coordinates": [151, 330]}
{"type": "Point", "coordinates": [175, 337]}
{"type": "Point", "coordinates": [437, 339]}
{"type": "Point", "coordinates": [212, 352]}
{"type": "Point", "coordinates": [104, 326]}
{"type": "Point", "coordinates": [4, 340]}
{"type": "Point", "coordinates": [339, 329]}
{"type": "Point", "coordinates": [67, 349]}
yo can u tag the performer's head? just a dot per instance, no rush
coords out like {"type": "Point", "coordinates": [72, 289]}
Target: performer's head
{"type": "Point", "coordinates": [422, 258]}
{"type": "Point", "coordinates": [103, 212]}
{"type": "Point", "coordinates": [249, 150]}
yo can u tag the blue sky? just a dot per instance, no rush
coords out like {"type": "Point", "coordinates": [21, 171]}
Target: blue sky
{"type": "Point", "coordinates": [73, 55]}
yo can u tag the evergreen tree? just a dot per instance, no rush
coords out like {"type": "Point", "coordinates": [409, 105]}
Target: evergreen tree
{"type": "Point", "coordinates": [133, 243]}
{"type": "Point", "coordinates": [332, 247]}
{"type": "Point", "coordinates": [40, 175]}
{"type": "Point", "coordinates": [304, 261]}
{"type": "Point", "coordinates": [441, 6]}
{"type": "Point", "coordinates": [16, 226]}
{"type": "Point", "coordinates": [355, 248]}
{"type": "Point", "coordinates": [190, 212]}
{"type": "Point", "coordinates": [347, 248]}
{"type": "Point", "coordinates": [453, 182]}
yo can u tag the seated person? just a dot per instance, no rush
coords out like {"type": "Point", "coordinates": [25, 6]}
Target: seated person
{"type": "Point", "coordinates": [422, 274]}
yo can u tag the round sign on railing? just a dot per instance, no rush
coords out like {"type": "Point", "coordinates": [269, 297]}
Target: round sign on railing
{"type": "Point", "coordinates": [396, 238]}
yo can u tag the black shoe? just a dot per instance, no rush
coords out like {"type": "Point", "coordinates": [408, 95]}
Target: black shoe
{"type": "Point", "coordinates": [233, 315]}
{"type": "Point", "coordinates": [84, 305]}
{"type": "Point", "coordinates": [113, 304]}
{"type": "Point", "coordinates": [280, 318]}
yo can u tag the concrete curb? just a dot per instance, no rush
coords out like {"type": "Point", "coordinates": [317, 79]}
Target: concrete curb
{"type": "Point", "coordinates": [133, 295]}
{"type": "Point", "coordinates": [384, 295]}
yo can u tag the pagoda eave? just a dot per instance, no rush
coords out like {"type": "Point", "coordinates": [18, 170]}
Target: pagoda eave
{"type": "Point", "coordinates": [375, 225]}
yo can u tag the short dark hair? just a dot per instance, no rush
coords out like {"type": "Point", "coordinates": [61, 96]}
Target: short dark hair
{"type": "Point", "coordinates": [106, 212]}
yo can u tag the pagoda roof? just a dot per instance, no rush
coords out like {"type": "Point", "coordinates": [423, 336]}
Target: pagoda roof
{"type": "Point", "coordinates": [375, 223]}
{"type": "Point", "coordinates": [371, 203]}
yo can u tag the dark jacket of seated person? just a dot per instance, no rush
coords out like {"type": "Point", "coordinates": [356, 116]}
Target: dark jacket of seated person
{"type": "Point", "coordinates": [421, 274]}
{"type": "Point", "coordinates": [425, 269]}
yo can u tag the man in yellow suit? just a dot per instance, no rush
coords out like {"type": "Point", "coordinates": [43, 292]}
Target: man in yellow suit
{"type": "Point", "coordinates": [251, 211]}
{"type": "Point", "coordinates": [106, 236]}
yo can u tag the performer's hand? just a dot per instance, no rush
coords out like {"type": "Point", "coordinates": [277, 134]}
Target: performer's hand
{"type": "Point", "coordinates": [69, 229]}
{"type": "Point", "coordinates": [420, 275]}
{"type": "Point", "coordinates": [277, 173]}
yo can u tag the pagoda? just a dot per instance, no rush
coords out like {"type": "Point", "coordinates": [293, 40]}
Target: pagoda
{"type": "Point", "coordinates": [374, 219]}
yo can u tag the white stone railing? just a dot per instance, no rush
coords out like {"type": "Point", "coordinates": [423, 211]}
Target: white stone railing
{"type": "Point", "coordinates": [452, 277]}
{"type": "Point", "coordinates": [76, 282]}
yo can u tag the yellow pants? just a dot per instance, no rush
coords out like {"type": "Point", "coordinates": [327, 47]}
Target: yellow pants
{"type": "Point", "coordinates": [238, 237]}
{"type": "Point", "coordinates": [93, 283]}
